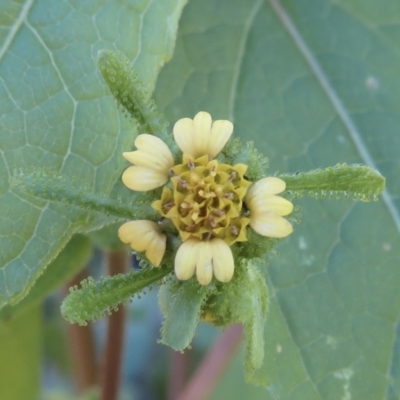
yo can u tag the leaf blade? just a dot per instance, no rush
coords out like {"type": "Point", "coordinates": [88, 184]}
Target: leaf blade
{"type": "Point", "coordinates": [347, 247]}
{"type": "Point", "coordinates": [61, 116]}
{"type": "Point", "coordinates": [20, 350]}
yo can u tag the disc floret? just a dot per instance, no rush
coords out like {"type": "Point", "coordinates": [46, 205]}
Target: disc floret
{"type": "Point", "coordinates": [206, 200]}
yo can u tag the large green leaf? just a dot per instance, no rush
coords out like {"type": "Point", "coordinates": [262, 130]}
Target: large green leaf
{"type": "Point", "coordinates": [20, 355]}
{"type": "Point", "coordinates": [59, 271]}
{"type": "Point", "coordinates": [57, 113]}
{"type": "Point", "coordinates": [313, 83]}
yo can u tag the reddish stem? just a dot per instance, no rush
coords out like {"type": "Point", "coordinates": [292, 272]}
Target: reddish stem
{"type": "Point", "coordinates": [81, 344]}
{"type": "Point", "coordinates": [110, 373]}
{"type": "Point", "coordinates": [177, 373]}
{"type": "Point", "coordinates": [214, 364]}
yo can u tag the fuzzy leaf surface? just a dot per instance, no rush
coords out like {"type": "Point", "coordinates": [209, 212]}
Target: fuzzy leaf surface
{"type": "Point", "coordinates": [56, 112]}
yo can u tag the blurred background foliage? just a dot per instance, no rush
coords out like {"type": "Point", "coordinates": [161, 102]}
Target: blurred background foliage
{"type": "Point", "coordinates": [312, 82]}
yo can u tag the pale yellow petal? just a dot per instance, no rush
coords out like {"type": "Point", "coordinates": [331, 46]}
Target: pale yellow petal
{"type": "Point", "coordinates": [272, 204]}
{"type": "Point", "coordinates": [201, 133]}
{"type": "Point", "coordinates": [271, 226]}
{"type": "Point", "coordinates": [183, 135]}
{"type": "Point", "coordinates": [223, 263]}
{"type": "Point", "coordinates": [221, 132]}
{"type": "Point", "coordinates": [185, 259]}
{"type": "Point", "coordinates": [154, 146]}
{"type": "Point", "coordinates": [266, 187]}
{"type": "Point", "coordinates": [204, 269]}
{"type": "Point", "coordinates": [139, 234]}
{"type": "Point", "coordinates": [143, 179]}
{"type": "Point", "coordinates": [156, 249]}
{"type": "Point", "coordinates": [127, 232]}
{"type": "Point", "coordinates": [143, 159]}
{"type": "Point", "coordinates": [201, 136]}
{"type": "Point", "coordinates": [150, 161]}
{"type": "Point", "coordinates": [130, 156]}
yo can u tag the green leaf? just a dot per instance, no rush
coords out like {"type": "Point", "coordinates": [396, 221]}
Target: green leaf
{"type": "Point", "coordinates": [107, 238]}
{"type": "Point", "coordinates": [47, 185]}
{"type": "Point", "coordinates": [93, 300]}
{"type": "Point", "coordinates": [257, 299]}
{"type": "Point", "coordinates": [360, 181]}
{"type": "Point", "coordinates": [68, 263]}
{"type": "Point", "coordinates": [243, 300]}
{"type": "Point", "coordinates": [56, 112]}
{"type": "Point", "coordinates": [314, 83]}
{"type": "Point", "coordinates": [128, 90]}
{"type": "Point", "coordinates": [182, 315]}
{"type": "Point", "coordinates": [20, 355]}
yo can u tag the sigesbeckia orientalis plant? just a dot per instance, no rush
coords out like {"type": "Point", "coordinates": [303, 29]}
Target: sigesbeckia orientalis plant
{"type": "Point", "coordinates": [201, 213]}
{"type": "Point", "coordinates": [210, 204]}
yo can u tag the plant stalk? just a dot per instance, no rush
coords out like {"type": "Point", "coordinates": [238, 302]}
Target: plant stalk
{"type": "Point", "coordinates": [214, 364]}
{"type": "Point", "coordinates": [110, 373]}
{"type": "Point", "coordinates": [177, 373]}
{"type": "Point", "coordinates": [81, 344]}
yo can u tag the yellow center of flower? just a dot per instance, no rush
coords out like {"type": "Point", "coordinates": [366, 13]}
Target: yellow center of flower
{"type": "Point", "coordinates": [205, 200]}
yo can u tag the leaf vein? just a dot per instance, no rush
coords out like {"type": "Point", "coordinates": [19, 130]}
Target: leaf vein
{"type": "Point", "coordinates": [240, 56]}
{"type": "Point", "coordinates": [74, 102]}
{"type": "Point", "coordinates": [139, 51]}
{"type": "Point", "coordinates": [15, 28]}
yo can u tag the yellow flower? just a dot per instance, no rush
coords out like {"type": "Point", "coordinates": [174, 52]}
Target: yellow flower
{"type": "Point", "coordinates": [210, 204]}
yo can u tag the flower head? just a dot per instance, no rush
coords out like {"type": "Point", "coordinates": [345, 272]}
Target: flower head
{"type": "Point", "coordinates": [210, 204]}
